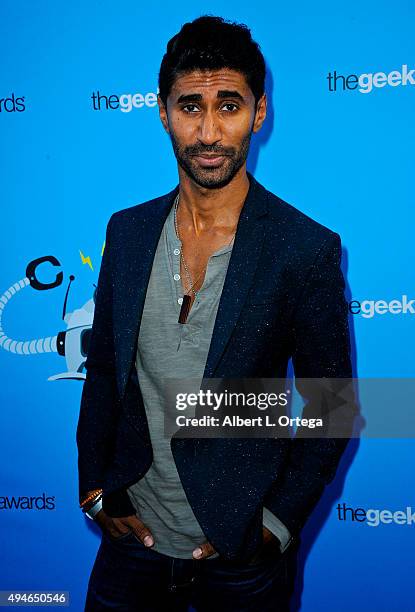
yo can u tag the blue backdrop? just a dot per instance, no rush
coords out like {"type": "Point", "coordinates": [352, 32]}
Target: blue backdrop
{"type": "Point", "coordinates": [77, 144]}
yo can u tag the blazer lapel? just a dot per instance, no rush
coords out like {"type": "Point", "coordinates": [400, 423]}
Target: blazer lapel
{"type": "Point", "coordinates": [139, 243]}
{"type": "Point", "coordinates": [249, 239]}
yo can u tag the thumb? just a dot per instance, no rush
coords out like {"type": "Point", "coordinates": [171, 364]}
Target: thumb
{"type": "Point", "coordinates": [142, 532]}
{"type": "Point", "coordinates": [203, 550]}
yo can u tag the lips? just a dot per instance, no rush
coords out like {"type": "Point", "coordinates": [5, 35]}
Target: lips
{"type": "Point", "coordinates": [210, 160]}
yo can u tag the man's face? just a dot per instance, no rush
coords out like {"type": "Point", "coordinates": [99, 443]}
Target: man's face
{"type": "Point", "coordinates": [210, 117]}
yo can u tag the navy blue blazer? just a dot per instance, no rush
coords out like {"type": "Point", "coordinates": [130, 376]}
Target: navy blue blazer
{"type": "Point", "coordinates": [283, 297]}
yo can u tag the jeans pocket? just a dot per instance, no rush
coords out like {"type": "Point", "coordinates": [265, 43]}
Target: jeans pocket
{"type": "Point", "coordinates": [268, 553]}
{"type": "Point", "coordinates": [122, 537]}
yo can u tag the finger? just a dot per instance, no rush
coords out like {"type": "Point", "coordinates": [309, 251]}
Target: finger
{"type": "Point", "coordinates": [203, 551]}
{"type": "Point", "coordinates": [269, 537]}
{"type": "Point", "coordinates": [267, 534]}
{"type": "Point", "coordinates": [105, 520]}
{"type": "Point", "coordinates": [142, 532]}
{"type": "Point", "coordinates": [118, 526]}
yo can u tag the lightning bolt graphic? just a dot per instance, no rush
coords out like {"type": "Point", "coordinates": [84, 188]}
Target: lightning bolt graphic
{"type": "Point", "coordinates": [86, 260]}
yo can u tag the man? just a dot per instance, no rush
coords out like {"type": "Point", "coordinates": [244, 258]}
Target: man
{"type": "Point", "coordinates": [218, 278]}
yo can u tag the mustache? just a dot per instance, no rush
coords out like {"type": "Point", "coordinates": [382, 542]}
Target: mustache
{"type": "Point", "coordinates": [200, 149]}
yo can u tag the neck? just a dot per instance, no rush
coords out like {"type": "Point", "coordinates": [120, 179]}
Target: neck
{"type": "Point", "coordinates": [202, 209]}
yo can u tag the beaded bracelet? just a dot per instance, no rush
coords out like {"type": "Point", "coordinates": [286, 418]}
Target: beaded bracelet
{"type": "Point", "coordinates": [90, 497]}
{"type": "Point", "coordinates": [87, 507]}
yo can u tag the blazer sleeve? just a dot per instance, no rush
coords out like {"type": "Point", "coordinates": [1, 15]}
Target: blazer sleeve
{"type": "Point", "coordinates": [321, 350]}
{"type": "Point", "coordinates": [99, 407]}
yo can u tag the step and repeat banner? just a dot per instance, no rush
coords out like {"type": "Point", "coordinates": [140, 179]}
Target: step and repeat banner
{"type": "Point", "coordinates": [81, 138]}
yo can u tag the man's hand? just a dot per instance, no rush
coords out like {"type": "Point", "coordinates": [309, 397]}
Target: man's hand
{"type": "Point", "coordinates": [206, 549]}
{"type": "Point", "coordinates": [117, 527]}
{"type": "Point", "coordinates": [268, 536]}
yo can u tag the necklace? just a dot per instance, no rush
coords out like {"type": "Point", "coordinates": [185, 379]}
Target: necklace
{"type": "Point", "coordinates": [185, 308]}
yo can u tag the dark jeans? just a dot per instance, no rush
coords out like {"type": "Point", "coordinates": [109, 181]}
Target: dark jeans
{"type": "Point", "coordinates": [128, 576]}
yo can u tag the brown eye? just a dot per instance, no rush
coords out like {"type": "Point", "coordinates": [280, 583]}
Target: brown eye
{"type": "Point", "coordinates": [186, 108]}
{"type": "Point", "coordinates": [232, 110]}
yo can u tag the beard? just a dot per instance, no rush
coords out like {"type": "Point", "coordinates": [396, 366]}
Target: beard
{"type": "Point", "coordinates": [213, 177]}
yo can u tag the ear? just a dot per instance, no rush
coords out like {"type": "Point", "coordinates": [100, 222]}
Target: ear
{"type": "Point", "coordinates": [163, 113]}
{"type": "Point", "coordinates": [261, 113]}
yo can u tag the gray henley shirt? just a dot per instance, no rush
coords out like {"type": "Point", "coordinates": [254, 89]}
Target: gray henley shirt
{"type": "Point", "coordinates": [167, 348]}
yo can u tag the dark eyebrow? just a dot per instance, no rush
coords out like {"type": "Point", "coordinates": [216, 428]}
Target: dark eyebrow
{"type": "Point", "coordinates": [189, 98]}
{"type": "Point", "coordinates": [222, 93]}
{"type": "Point", "coordinates": [226, 93]}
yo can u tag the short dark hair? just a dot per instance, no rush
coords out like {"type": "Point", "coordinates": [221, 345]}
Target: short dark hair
{"type": "Point", "coordinates": [211, 43]}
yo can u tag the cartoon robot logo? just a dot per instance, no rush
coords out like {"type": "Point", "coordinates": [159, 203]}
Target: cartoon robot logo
{"type": "Point", "coordinates": [72, 343]}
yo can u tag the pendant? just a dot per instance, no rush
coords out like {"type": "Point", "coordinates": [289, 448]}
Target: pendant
{"type": "Point", "coordinates": [184, 310]}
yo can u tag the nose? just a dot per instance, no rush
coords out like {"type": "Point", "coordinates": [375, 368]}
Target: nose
{"type": "Point", "coordinates": [209, 131]}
